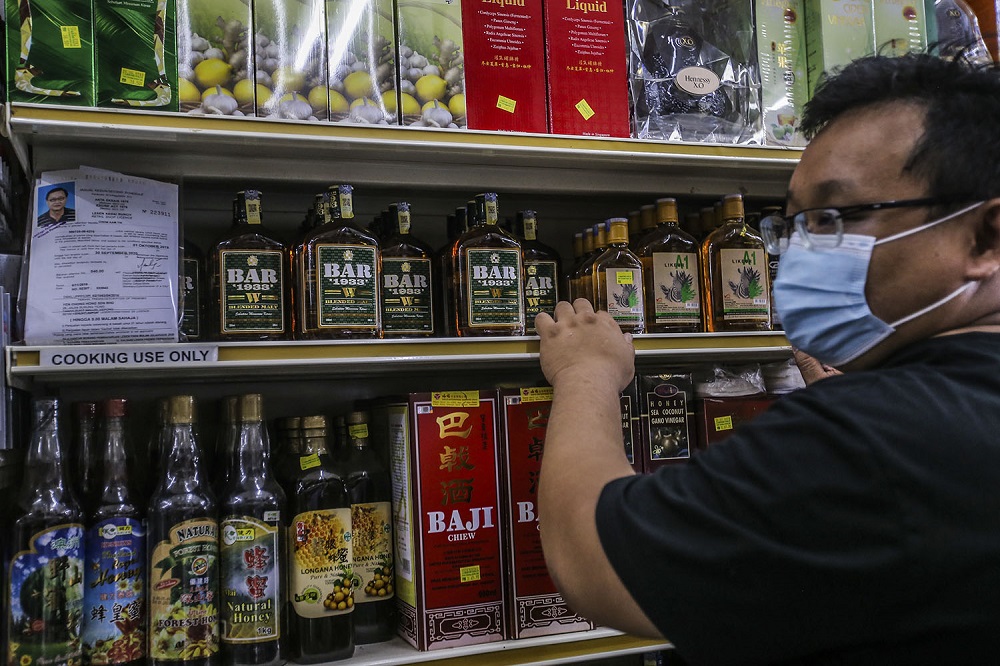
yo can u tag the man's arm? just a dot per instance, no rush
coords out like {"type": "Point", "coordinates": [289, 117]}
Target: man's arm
{"type": "Point", "coordinates": [588, 361]}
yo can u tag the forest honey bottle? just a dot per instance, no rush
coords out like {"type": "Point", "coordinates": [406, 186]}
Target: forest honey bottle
{"type": "Point", "coordinates": [669, 259]}
{"type": "Point", "coordinates": [735, 270]}
{"type": "Point", "coordinates": [542, 270]}
{"type": "Point", "coordinates": [617, 280]}
{"type": "Point", "coordinates": [408, 279]}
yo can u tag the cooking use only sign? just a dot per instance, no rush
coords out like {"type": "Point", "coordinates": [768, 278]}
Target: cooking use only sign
{"type": "Point", "coordinates": [80, 356]}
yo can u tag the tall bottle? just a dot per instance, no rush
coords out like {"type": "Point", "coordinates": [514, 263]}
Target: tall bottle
{"type": "Point", "coordinates": [252, 507]}
{"type": "Point", "coordinates": [587, 274]}
{"type": "Point", "coordinates": [408, 279]}
{"type": "Point", "coordinates": [669, 259]}
{"type": "Point", "coordinates": [488, 276]}
{"type": "Point", "coordinates": [114, 613]}
{"type": "Point", "coordinates": [576, 287]}
{"type": "Point", "coordinates": [542, 271]}
{"type": "Point", "coordinates": [647, 224]}
{"type": "Point", "coordinates": [85, 454]}
{"type": "Point", "coordinates": [193, 286]}
{"type": "Point", "coordinates": [183, 551]}
{"type": "Point", "coordinates": [340, 264]}
{"type": "Point", "coordinates": [320, 555]}
{"type": "Point", "coordinates": [566, 279]}
{"type": "Point", "coordinates": [227, 438]}
{"type": "Point", "coordinates": [370, 488]}
{"type": "Point", "coordinates": [45, 551]}
{"type": "Point", "coordinates": [735, 270]}
{"type": "Point", "coordinates": [617, 280]}
{"type": "Point", "coordinates": [249, 286]}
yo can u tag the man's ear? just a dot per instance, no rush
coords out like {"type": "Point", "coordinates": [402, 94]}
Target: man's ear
{"type": "Point", "coordinates": [984, 260]}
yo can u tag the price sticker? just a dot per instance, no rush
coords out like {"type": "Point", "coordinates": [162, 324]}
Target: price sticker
{"type": "Point", "coordinates": [723, 423]}
{"type": "Point", "coordinates": [585, 110]}
{"type": "Point", "coordinates": [308, 462]}
{"type": "Point", "coordinates": [536, 394]}
{"type": "Point", "coordinates": [132, 77]}
{"type": "Point", "coordinates": [624, 277]}
{"type": "Point", "coordinates": [70, 37]}
{"type": "Point", "coordinates": [470, 574]}
{"type": "Point", "coordinates": [506, 104]}
{"type": "Point", "coordinates": [455, 399]}
{"type": "Point", "coordinates": [358, 431]}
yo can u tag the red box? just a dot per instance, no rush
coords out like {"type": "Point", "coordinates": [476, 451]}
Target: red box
{"type": "Point", "coordinates": [535, 606]}
{"type": "Point", "coordinates": [505, 65]}
{"type": "Point", "coordinates": [587, 67]}
{"type": "Point", "coordinates": [719, 417]}
{"type": "Point", "coordinates": [445, 469]}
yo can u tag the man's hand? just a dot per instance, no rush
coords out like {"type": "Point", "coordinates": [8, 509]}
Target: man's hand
{"type": "Point", "coordinates": [812, 370]}
{"type": "Point", "coordinates": [580, 343]}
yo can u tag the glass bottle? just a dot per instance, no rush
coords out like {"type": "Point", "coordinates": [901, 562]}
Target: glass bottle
{"type": "Point", "coordinates": [669, 259]}
{"type": "Point", "coordinates": [297, 266]}
{"type": "Point", "coordinates": [193, 319]}
{"type": "Point", "coordinates": [577, 290]}
{"type": "Point", "coordinates": [252, 507]}
{"type": "Point", "coordinates": [408, 277]}
{"type": "Point", "coordinates": [183, 551]}
{"type": "Point", "coordinates": [457, 225]}
{"type": "Point", "coordinates": [249, 286]}
{"type": "Point", "coordinates": [647, 223]}
{"type": "Point", "coordinates": [227, 437]}
{"type": "Point", "coordinates": [114, 612]}
{"type": "Point", "coordinates": [159, 439]}
{"type": "Point", "coordinates": [734, 266]}
{"type": "Point", "coordinates": [634, 220]}
{"type": "Point", "coordinates": [566, 288]}
{"type": "Point", "coordinates": [85, 452]}
{"type": "Point", "coordinates": [617, 280]}
{"type": "Point", "coordinates": [542, 269]}
{"type": "Point", "coordinates": [45, 552]}
{"type": "Point", "coordinates": [773, 261]}
{"type": "Point", "coordinates": [587, 274]}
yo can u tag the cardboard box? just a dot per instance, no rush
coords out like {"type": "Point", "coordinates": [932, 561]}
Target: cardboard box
{"type": "Point", "coordinates": [135, 47]}
{"type": "Point", "coordinates": [290, 59]}
{"type": "Point", "coordinates": [719, 417]}
{"type": "Point", "coordinates": [837, 32]}
{"type": "Point", "coordinates": [444, 461]}
{"type": "Point", "coordinates": [50, 57]}
{"type": "Point", "coordinates": [781, 57]}
{"type": "Point", "coordinates": [667, 419]}
{"type": "Point", "coordinates": [214, 59]}
{"type": "Point", "coordinates": [431, 63]}
{"type": "Point", "coordinates": [535, 607]}
{"type": "Point", "coordinates": [361, 49]}
{"type": "Point", "coordinates": [900, 26]}
{"type": "Point", "coordinates": [586, 63]}
{"type": "Point", "coordinates": [631, 437]}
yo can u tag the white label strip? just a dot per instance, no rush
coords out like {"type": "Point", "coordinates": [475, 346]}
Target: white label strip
{"type": "Point", "coordinates": [126, 356]}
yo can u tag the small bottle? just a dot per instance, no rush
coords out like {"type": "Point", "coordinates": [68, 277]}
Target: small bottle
{"type": "Point", "coordinates": [457, 225]}
{"type": "Point", "coordinates": [248, 278]}
{"type": "Point", "coordinates": [542, 268]}
{"type": "Point", "coordinates": [193, 319]}
{"type": "Point", "coordinates": [408, 277]}
{"type": "Point", "coordinates": [634, 221]}
{"type": "Point", "coordinates": [183, 547]}
{"type": "Point", "coordinates": [734, 266]}
{"type": "Point", "coordinates": [669, 259]}
{"type": "Point", "coordinates": [647, 223]}
{"type": "Point", "coordinates": [567, 277]}
{"type": "Point", "coordinates": [85, 452]}
{"type": "Point", "coordinates": [44, 590]}
{"type": "Point", "coordinates": [587, 273]}
{"type": "Point", "coordinates": [617, 280]}
{"type": "Point", "coordinates": [576, 289]}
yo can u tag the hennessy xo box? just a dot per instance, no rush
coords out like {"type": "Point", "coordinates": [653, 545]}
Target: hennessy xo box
{"type": "Point", "coordinates": [719, 417]}
{"type": "Point", "coordinates": [667, 419]}
{"type": "Point", "coordinates": [444, 462]}
{"type": "Point", "coordinates": [586, 61]}
{"type": "Point", "coordinates": [535, 608]}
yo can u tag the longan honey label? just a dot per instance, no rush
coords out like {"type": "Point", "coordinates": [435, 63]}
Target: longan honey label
{"type": "Point", "coordinates": [371, 527]}
{"type": "Point", "coordinates": [251, 559]}
{"type": "Point", "coordinates": [252, 285]}
{"type": "Point", "coordinates": [675, 296]}
{"type": "Point", "coordinates": [744, 284]}
{"type": "Point", "coordinates": [494, 289]}
{"type": "Point", "coordinates": [115, 596]}
{"type": "Point", "coordinates": [322, 579]}
{"type": "Point", "coordinates": [407, 303]}
{"type": "Point", "coordinates": [541, 291]}
{"type": "Point", "coordinates": [347, 286]}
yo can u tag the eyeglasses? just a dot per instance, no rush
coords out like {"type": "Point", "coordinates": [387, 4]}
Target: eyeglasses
{"type": "Point", "coordinates": [824, 227]}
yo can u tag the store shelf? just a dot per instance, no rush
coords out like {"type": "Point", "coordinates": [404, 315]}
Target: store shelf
{"type": "Point", "coordinates": [215, 149]}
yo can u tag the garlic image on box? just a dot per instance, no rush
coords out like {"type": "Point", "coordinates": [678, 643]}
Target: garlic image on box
{"type": "Point", "coordinates": [290, 59]}
{"type": "Point", "coordinates": [362, 56]}
{"type": "Point", "coordinates": [431, 64]}
{"type": "Point", "coordinates": [215, 65]}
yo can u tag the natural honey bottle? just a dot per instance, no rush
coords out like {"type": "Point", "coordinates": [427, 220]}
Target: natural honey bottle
{"type": "Point", "coordinates": [734, 266]}
{"type": "Point", "coordinates": [669, 259]}
{"type": "Point", "coordinates": [193, 298]}
{"type": "Point", "coordinates": [249, 285]}
{"type": "Point", "coordinates": [576, 290]}
{"type": "Point", "coordinates": [488, 276]}
{"type": "Point", "coordinates": [340, 265]}
{"type": "Point", "coordinates": [542, 268]}
{"type": "Point", "coordinates": [617, 280]}
{"type": "Point", "coordinates": [587, 269]}
{"type": "Point", "coordinates": [408, 277]}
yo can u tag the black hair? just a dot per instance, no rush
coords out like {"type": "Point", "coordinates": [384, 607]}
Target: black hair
{"type": "Point", "coordinates": [56, 189]}
{"type": "Point", "coordinates": [958, 152]}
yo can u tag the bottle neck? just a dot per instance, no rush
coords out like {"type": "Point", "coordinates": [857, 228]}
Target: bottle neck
{"type": "Point", "coordinates": [181, 461]}
{"type": "Point", "coordinates": [44, 475]}
{"type": "Point", "coordinates": [251, 454]}
{"type": "Point", "coordinates": [115, 487]}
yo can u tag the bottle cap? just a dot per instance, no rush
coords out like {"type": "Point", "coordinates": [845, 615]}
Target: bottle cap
{"type": "Point", "coordinates": [647, 217]}
{"type": "Point", "coordinates": [619, 230]}
{"type": "Point", "coordinates": [181, 409]}
{"type": "Point", "coordinates": [113, 408]}
{"type": "Point", "coordinates": [732, 206]}
{"type": "Point", "coordinates": [313, 422]}
{"type": "Point", "coordinates": [84, 410]}
{"type": "Point", "coordinates": [633, 221]}
{"type": "Point", "coordinates": [358, 417]}
{"type": "Point", "coordinates": [666, 210]}
{"type": "Point", "coordinates": [250, 408]}
{"type": "Point", "coordinates": [45, 411]}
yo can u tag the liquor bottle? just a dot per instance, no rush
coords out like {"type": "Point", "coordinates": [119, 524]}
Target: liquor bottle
{"type": "Point", "coordinates": [773, 261]}
{"type": "Point", "coordinates": [708, 221]}
{"type": "Point", "coordinates": [634, 220]}
{"type": "Point", "coordinates": [85, 450]}
{"type": "Point", "coordinates": [320, 556]}
{"type": "Point", "coordinates": [287, 449]}
{"type": "Point", "coordinates": [735, 272]}
{"type": "Point", "coordinates": [193, 319]}
{"type": "Point", "coordinates": [297, 262]}
{"type": "Point", "coordinates": [227, 437]}
{"type": "Point", "coordinates": [692, 224]}
{"type": "Point", "coordinates": [488, 276]}
{"type": "Point", "coordinates": [617, 280]}
{"type": "Point", "coordinates": [340, 269]}
{"type": "Point", "coordinates": [567, 278]}
{"type": "Point", "coordinates": [408, 278]}
{"type": "Point", "coordinates": [45, 551]}
{"type": "Point", "coordinates": [576, 289]}
{"type": "Point", "coordinates": [457, 225]}
{"type": "Point", "coordinates": [114, 612]}
{"type": "Point", "coordinates": [586, 280]}
{"type": "Point", "coordinates": [183, 551]}
{"type": "Point", "coordinates": [542, 269]}
{"type": "Point", "coordinates": [249, 285]}
{"type": "Point", "coordinates": [669, 259]}
{"type": "Point", "coordinates": [370, 488]}
{"type": "Point", "coordinates": [647, 223]}
{"type": "Point", "coordinates": [252, 507]}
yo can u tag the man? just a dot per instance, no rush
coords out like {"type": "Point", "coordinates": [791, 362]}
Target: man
{"type": "Point", "coordinates": [57, 212]}
{"type": "Point", "coordinates": [858, 520]}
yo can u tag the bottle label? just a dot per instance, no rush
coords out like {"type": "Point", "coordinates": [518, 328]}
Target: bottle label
{"type": "Point", "coordinates": [346, 286]}
{"type": "Point", "coordinates": [253, 291]}
{"type": "Point", "coordinates": [322, 581]}
{"type": "Point", "coordinates": [493, 291]}
{"type": "Point", "coordinates": [624, 295]}
{"type": "Point", "coordinates": [745, 292]}
{"type": "Point", "coordinates": [115, 592]}
{"type": "Point", "coordinates": [371, 526]}
{"type": "Point", "coordinates": [250, 554]}
{"type": "Point", "coordinates": [675, 288]}
{"type": "Point", "coordinates": [191, 322]}
{"type": "Point", "coordinates": [668, 434]}
{"type": "Point", "coordinates": [45, 615]}
{"type": "Point", "coordinates": [541, 290]}
{"type": "Point", "coordinates": [407, 299]}
{"type": "Point", "coordinates": [183, 579]}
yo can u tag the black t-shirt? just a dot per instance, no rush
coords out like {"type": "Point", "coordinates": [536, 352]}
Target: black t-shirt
{"type": "Point", "coordinates": [855, 522]}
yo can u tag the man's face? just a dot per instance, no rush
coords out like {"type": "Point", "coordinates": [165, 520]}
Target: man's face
{"type": "Point", "coordinates": [56, 201]}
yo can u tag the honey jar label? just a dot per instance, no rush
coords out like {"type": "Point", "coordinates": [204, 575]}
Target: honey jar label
{"type": "Point", "coordinates": [371, 526]}
{"type": "Point", "coordinates": [250, 554]}
{"type": "Point", "coordinates": [322, 580]}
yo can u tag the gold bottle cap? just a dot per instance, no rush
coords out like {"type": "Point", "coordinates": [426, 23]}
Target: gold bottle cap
{"type": "Point", "coordinates": [357, 417]}
{"type": "Point", "coordinates": [251, 407]}
{"type": "Point", "coordinates": [619, 230]}
{"type": "Point", "coordinates": [633, 221]}
{"type": "Point", "coordinates": [588, 240]}
{"type": "Point", "coordinates": [732, 206]}
{"type": "Point", "coordinates": [647, 217]}
{"type": "Point", "coordinates": [181, 409]}
{"type": "Point", "coordinates": [578, 244]}
{"type": "Point", "coordinates": [313, 422]}
{"type": "Point", "coordinates": [601, 234]}
{"type": "Point", "coordinates": [666, 210]}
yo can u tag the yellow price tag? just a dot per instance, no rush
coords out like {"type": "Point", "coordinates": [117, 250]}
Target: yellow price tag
{"type": "Point", "coordinates": [308, 462]}
{"type": "Point", "coordinates": [536, 394]}
{"type": "Point", "coordinates": [723, 423]}
{"type": "Point", "coordinates": [455, 399]}
{"type": "Point", "coordinates": [133, 77]}
{"type": "Point", "coordinates": [253, 212]}
{"type": "Point", "coordinates": [70, 37]}
{"type": "Point", "coordinates": [358, 431]}
{"type": "Point", "coordinates": [506, 104]}
{"type": "Point", "coordinates": [585, 109]}
{"type": "Point", "coordinates": [469, 574]}
{"type": "Point", "coordinates": [624, 277]}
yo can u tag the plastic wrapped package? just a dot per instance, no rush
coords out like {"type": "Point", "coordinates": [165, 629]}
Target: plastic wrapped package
{"type": "Point", "coordinates": [723, 381]}
{"type": "Point", "coordinates": [958, 33]}
{"type": "Point", "coordinates": [692, 71]}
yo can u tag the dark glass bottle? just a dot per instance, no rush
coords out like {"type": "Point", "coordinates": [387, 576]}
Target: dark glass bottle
{"type": "Point", "coordinates": [408, 276]}
{"type": "Point", "coordinates": [457, 225]}
{"type": "Point", "coordinates": [542, 270]}
{"type": "Point", "coordinates": [183, 551]}
{"type": "Point", "coordinates": [252, 507]}
{"type": "Point", "coordinates": [586, 272]}
{"type": "Point", "coordinates": [670, 269]}
{"type": "Point", "coordinates": [193, 290]}
{"type": "Point", "coordinates": [225, 444]}
{"type": "Point", "coordinates": [44, 591]}
{"type": "Point", "coordinates": [85, 450]}
{"type": "Point", "coordinates": [114, 617]}
{"type": "Point", "coordinates": [574, 276]}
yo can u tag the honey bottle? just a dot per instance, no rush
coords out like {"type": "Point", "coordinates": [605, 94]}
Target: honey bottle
{"type": "Point", "coordinates": [669, 259]}
{"type": "Point", "coordinates": [617, 280]}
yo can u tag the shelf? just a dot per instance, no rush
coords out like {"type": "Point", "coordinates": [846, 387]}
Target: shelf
{"type": "Point", "coordinates": [214, 149]}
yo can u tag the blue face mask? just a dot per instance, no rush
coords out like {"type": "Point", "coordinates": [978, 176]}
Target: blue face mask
{"type": "Point", "coordinates": [820, 296]}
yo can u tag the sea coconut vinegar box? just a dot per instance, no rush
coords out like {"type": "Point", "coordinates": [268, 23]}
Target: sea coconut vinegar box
{"type": "Point", "coordinates": [445, 467]}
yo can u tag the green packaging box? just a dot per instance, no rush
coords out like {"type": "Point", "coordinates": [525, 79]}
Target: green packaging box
{"type": "Point", "coordinates": [362, 62]}
{"type": "Point", "coordinates": [135, 45]}
{"type": "Point", "coordinates": [781, 54]}
{"type": "Point", "coordinates": [900, 27]}
{"type": "Point", "coordinates": [290, 59]}
{"type": "Point", "coordinates": [50, 52]}
{"type": "Point", "coordinates": [215, 64]}
{"type": "Point", "coordinates": [837, 32]}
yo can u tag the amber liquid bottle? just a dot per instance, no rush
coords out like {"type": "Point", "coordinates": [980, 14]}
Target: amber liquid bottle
{"type": "Point", "coordinates": [669, 259]}
{"type": "Point", "coordinates": [576, 289]}
{"type": "Point", "coordinates": [542, 271]}
{"type": "Point", "coordinates": [408, 280]}
{"type": "Point", "coordinates": [193, 293]}
{"type": "Point", "coordinates": [586, 273]}
{"type": "Point", "coordinates": [566, 279]}
{"type": "Point", "coordinates": [735, 270]}
{"type": "Point", "coordinates": [457, 225]}
{"type": "Point", "coordinates": [617, 280]}
{"type": "Point", "coordinates": [647, 223]}
{"type": "Point", "coordinates": [296, 271]}
{"type": "Point", "coordinates": [249, 284]}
